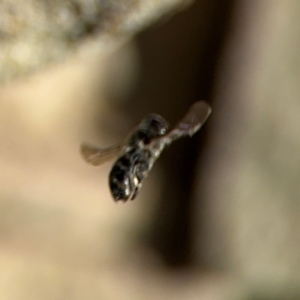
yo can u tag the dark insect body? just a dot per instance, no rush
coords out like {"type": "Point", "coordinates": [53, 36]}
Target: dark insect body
{"type": "Point", "coordinates": [144, 145]}
{"type": "Point", "coordinates": [129, 171]}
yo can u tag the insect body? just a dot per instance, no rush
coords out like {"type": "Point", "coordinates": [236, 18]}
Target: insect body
{"type": "Point", "coordinates": [144, 145]}
{"type": "Point", "coordinates": [129, 171]}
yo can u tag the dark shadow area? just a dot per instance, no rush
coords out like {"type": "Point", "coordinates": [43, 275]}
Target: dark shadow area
{"type": "Point", "coordinates": [178, 61]}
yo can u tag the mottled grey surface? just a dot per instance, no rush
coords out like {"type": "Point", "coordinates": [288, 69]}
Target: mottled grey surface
{"type": "Point", "coordinates": [35, 33]}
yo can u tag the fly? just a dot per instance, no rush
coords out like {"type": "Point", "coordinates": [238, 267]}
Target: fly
{"type": "Point", "coordinates": [137, 154]}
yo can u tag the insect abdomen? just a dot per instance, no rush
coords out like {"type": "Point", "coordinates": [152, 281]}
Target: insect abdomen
{"type": "Point", "coordinates": [128, 173]}
{"type": "Point", "coordinates": [119, 178]}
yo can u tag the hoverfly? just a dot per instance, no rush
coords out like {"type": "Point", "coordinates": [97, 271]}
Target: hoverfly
{"type": "Point", "coordinates": [137, 154]}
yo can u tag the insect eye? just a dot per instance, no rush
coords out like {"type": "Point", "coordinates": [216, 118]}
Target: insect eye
{"type": "Point", "coordinates": [162, 130]}
{"type": "Point", "coordinates": [157, 125]}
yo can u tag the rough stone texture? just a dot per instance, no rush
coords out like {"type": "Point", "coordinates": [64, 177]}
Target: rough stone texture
{"type": "Point", "coordinates": [35, 33]}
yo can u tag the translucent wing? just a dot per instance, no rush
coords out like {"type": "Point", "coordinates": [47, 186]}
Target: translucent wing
{"type": "Point", "coordinates": [97, 156]}
{"type": "Point", "coordinates": [190, 123]}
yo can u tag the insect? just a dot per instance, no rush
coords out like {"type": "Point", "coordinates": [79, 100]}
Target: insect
{"type": "Point", "coordinates": [137, 154]}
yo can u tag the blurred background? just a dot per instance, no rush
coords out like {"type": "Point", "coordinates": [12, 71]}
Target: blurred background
{"type": "Point", "coordinates": [218, 217]}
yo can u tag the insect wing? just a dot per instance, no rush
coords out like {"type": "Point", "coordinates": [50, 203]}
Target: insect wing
{"type": "Point", "coordinates": [191, 122]}
{"type": "Point", "coordinates": [97, 156]}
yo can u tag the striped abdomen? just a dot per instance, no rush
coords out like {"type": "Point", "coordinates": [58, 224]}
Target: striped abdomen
{"type": "Point", "coordinates": [128, 173]}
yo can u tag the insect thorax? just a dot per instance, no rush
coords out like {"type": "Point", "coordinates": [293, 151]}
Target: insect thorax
{"type": "Point", "coordinates": [151, 127]}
